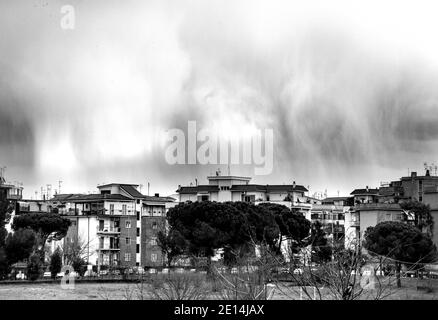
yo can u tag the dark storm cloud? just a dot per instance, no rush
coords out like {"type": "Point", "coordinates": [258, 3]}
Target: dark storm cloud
{"type": "Point", "coordinates": [91, 104]}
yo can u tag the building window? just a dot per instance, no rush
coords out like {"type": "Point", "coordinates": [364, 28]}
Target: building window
{"type": "Point", "coordinates": [138, 232]}
{"type": "Point", "coordinates": [128, 224]}
{"type": "Point", "coordinates": [138, 248]}
{"type": "Point", "coordinates": [128, 241]}
{"type": "Point", "coordinates": [154, 225]}
{"type": "Point", "coordinates": [138, 201]}
{"type": "Point", "coordinates": [138, 215]}
{"type": "Point", "coordinates": [154, 257]}
{"type": "Point", "coordinates": [127, 257]}
{"type": "Point", "coordinates": [153, 241]}
{"type": "Point", "coordinates": [124, 209]}
{"type": "Point", "coordinates": [111, 208]}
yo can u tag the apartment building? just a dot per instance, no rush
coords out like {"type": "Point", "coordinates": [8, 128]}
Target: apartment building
{"type": "Point", "coordinates": [331, 213]}
{"type": "Point", "coordinates": [153, 220]}
{"type": "Point", "coordinates": [372, 206]}
{"type": "Point", "coordinates": [117, 226]}
{"type": "Point", "coordinates": [8, 190]}
{"type": "Point", "coordinates": [235, 188]}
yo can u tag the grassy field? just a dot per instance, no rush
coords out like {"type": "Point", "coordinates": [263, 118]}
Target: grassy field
{"type": "Point", "coordinates": [124, 291]}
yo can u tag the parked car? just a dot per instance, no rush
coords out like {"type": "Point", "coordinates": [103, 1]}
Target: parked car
{"type": "Point", "coordinates": [90, 273]}
{"type": "Point", "coordinates": [47, 274]}
{"type": "Point", "coordinates": [116, 272]}
{"type": "Point", "coordinates": [103, 272]}
{"type": "Point", "coordinates": [298, 271]}
{"type": "Point", "coordinates": [20, 276]}
{"type": "Point", "coordinates": [179, 270]}
{"type": "Point", "coordinates": [140, 270]}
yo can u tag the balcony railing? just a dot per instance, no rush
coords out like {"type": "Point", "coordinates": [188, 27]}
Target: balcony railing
{"type": "Point", "coordinates": [113, 247]}
{"type": "Point", "coordinates": [108, 230]}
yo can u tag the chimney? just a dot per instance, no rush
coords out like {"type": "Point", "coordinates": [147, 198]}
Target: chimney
{"type": "Point", "coordinates": [413, 174]}
{"type": "Point", "coordinates": [157, 195]}
{"type": "Point", "coordinates": [293, 185]}
{"type": "Point", "coordinates": [367, 188]}
{"type": "Point", "coordinates": [427, 173]}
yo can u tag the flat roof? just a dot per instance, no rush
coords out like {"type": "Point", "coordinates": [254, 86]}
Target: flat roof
{"type": "Point", "coordinates": [228, 178]}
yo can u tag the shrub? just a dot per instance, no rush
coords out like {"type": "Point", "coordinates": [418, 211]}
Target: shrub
{"type": "Point", "coordinates": [34, 267]}
{"type": "Point", "coordinates": [55, 263]}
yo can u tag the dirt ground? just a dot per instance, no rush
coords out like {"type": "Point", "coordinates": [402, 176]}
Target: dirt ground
{"type": "Point", "coordinates": [121, 291]}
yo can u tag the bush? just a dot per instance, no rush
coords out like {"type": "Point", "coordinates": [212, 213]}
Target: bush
{"type": "Point", "coordinates": [34, 267]}
{"type": "Point", "coordinates": [55, 263]}
{"type": "Point", "coordinates": [4, 264]}
{"type": "Point", "coordinates": [179, 286]}
{"type": "Point", "coordinates": [80, 266]}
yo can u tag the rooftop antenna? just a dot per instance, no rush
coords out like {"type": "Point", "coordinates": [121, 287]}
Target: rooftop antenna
{"type": "Point", "coordinates": [49, 189]}
{"type": "Point", "coordinates": [59, 186]}
{"type": "Point", "coordinates": [229, 170]}
{"type": "Point", "coordinates": [140, 187]}
{"type": "Point", "coordinates": [149, 185]}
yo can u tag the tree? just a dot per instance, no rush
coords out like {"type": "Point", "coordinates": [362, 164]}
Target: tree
{"type": "Point", "coordinates": [74, 250]}
{"type": "Point", "coordinates": [207, 226]}
{"type": "Point", "coordinates": [400, 242]}
{"type": "Point", "coordinates": [20, 245]}
{"type": "Point", "coordinates": [4, 264]}
{"type": "Point", "coordinates": [55, 263]}
{"type": "Point", "coordinates": [79, 265]}
{"type": "Point", "coordinates": [254, 225]}
{"type": "Point", "coordinates": [6, 209]}
{"type": "Point", "coordinates": [423, 220]}
{"type": "Point", "coordinates": [292, 224]}
{"type": "Point", "coordinates": [320, 246]}
{"type": "Point", "coordinates": [34, 267]}
{"type": "Point", "coordinates": [172, 245]}
{"type": "Point", "coordinates": [200, 224]}
{"type": "Point", "coordinates": [45, 225]}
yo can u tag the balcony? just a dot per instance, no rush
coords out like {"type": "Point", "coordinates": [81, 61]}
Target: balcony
{"type": "Point", "coordinates": [110, 247]}
{"type": "Point", "coordinates": [109, 230]}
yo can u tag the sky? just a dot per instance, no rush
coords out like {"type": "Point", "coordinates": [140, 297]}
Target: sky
{"type": "Point", "coordinates": [348, 88]}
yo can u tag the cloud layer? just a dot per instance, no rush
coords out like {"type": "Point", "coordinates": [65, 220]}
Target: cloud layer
{"type": "Point", "coordinates": [349, 90]}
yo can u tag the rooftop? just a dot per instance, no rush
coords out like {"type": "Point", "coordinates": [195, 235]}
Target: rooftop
{"type": "Point", "coordinates": [366, 191]}
{"type": "Point", "coordinates": [243, 188]}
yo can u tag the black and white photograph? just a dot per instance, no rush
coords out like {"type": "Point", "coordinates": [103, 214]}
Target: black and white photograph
{"type": "Point", "coordinates": [226, 151]}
